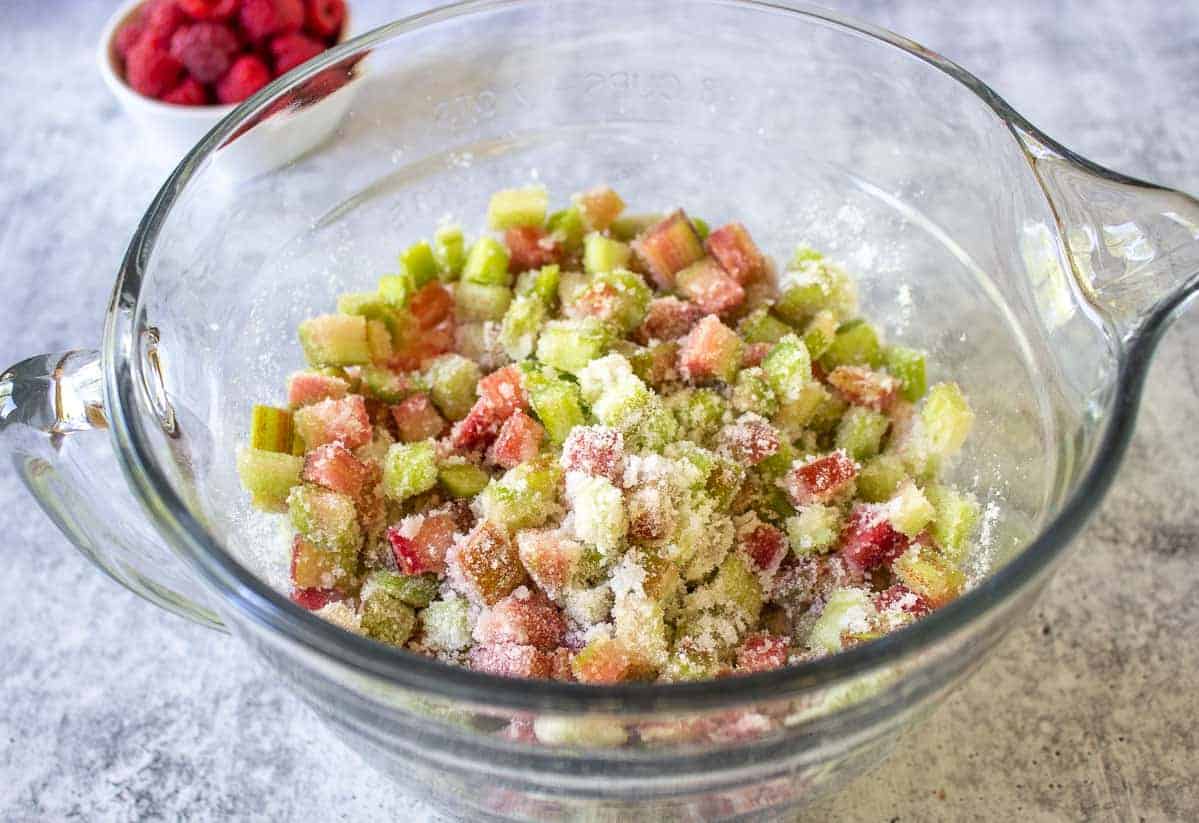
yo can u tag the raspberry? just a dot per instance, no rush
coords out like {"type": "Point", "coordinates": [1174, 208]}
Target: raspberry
{"type": "Point", "coordinates": [191, 92]}
{"type": "Point", "coordinates": [262, 18]}
{"type": "Point", "coordinates": [206, 49]}
{"type": "Point", "coordinates": [325, 17]}
{"type": "Point", "coordinates": [209, 9]}
{"type": "Point", "coordinates": [128, 36]}
{"type": "Point", "coordinates": [290, 50]}
{"type": "Point", "coordinates": [161, 18]}
{"type": "Point", "coordinates": [150, 69]}
{"type": "Point", "coordinates": [247, 75]}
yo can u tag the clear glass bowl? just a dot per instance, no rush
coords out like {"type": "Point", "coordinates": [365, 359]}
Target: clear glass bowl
{"type": "Point", "coordinates": [1037, 280]}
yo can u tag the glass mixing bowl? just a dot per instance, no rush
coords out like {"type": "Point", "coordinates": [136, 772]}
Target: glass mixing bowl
{"type": "Point", "coordinates": [1036, 279]}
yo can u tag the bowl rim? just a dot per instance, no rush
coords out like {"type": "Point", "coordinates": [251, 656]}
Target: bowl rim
{"type": "Point", "coordinates": [270, 610]}
{"type": "Point", "coordinates": [106, 62]}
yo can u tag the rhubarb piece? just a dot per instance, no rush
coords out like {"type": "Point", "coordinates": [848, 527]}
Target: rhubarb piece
{"type": "Point", "coordinates": [446, 625]}
{"type": "Point", "coordinates": [324, 518]}
{"type": "Point", "coordinates": [522, 323]}
{"type": "Point", "coordinates": [420, 542]}
{"type": "Point", "coordinates": [880, 477]}
{"type": "Point", "coordinates": [550, 558]}
{"type": "Point", "coordinates": [409, 469]}
{"type": "Point", "coordinates": [395, 290]}
{"type": "Point", "coordinates": [861, 431]}
{"type": "Point", "coordinates": [268, 476]}
{"type": "Point", "coordinates": [909, 511]}
{"type": "Point", "coordinates": [627, 227]}
{"type": "Point", "coordinates": [907, 366]}
{"type": "Point", "coordinates": [869, 540]}
{"type": "Point", "coordinates": [524, 619]}
{"type": "Point", "coordinates": [378, 341]}
{"type": "Point", "coordinates": [788, 367]}
{"type": "Point", "coordinates": [386, 385]}
{"type": "Point", "coordinates": [815, 529]}
{"type": "Point", "coordinates": [710, 287]}
{"type": "Point", "coordinates": [335, 340]}
{"type": "Point", "coordinates": [517, 207]}
{"type": "Point", "coordinates": [542, 283]}
{"type": "Point", "coordinates": [599, 207]}
{"type": "Point", "coordinates": [479, 302]}
{"type": "Point", "coordinates": [668, 318]}
{"type": "Point", "coordinates": [597, 451]}
{"type": "Point", "coordinates": [947, 419]}
{"type": "Point", "coordinates": [620, 400]}
{"type": "Point", "coordinates": [344, 421]}
{"type": "Point", "coordinates": [387, 618]}
{"type": "Point", "coordinates": [463, 479]}
{"type": "Point", "coordinates": [763, 545]}
{"type": "Point", "coordinates": [524, 497]}
{"type": "Point", "coordinates": [864, 387]}
{"type": "Point", "coordinates": [431, 305]}
{"type": "Point", "coordinates": [849, 613]}
{"type": "Point", "coordinates": [569, 345]}
{"type": "Point", "coordinates": [335, 467]}
{"type": "Point", "coordinates": [700, 413]}
{"type": "Point", "coordinates": [452, 381]}
{"type": "Point", "coordinates": [763, 652]}
{"type": "Point", "coordinates": [417, 419]}
{"type": "Point", "coordinates": [760, 326]}
{"type": "Point", "coordinates": [736, 252]}
{"type": "Point", "coordinates": [570, 285]}
{"type": "Point", "coordinates": [617, 297]}
{"type": "Point", "coordinates": [487, 563]}
{"type": "Point", "coordinates": [668, 247]}
{"type": "Point", "coordinates": [271, 429]}
{"type": "Point", "coordinates": [752, 393]}
{"type": "Point", "coordinates": [749, 440]}
{"type": "Point", "coordinates": [519, 440]}
{"type": "Point", "coordinates": [530, 247]}
{"type": "Point", "coordinates": [419, 264]}
{"type": "Point", "coordinates": [556, 403]}
{"type": "Point", "coordinates": [511, 660]}
{"type": "Point", "coordinates": [956, 516]}
{"type": "Point", "coordinates": [417, 590]}
{"type": "Point", "coordinates": [710, 351]}
{"type": "Point", "coordinates": [814, 284]}
{"type": "Point", "coordinates": [305, 388]}
{"type": "Point", "coordinates": [822, 480]}
{"type": "Point", "coordinates": [567, 227]}
{"type": "Point", "coordinates": [929, 575]}
{"type": "Point", "coordinates": [599, 513]}
{"type": "Point", "coordinates": [603, 254]}
{"type": "Point", "coordinates": [606, 660]}
{"type": "Point", "coordinates": [855, 344]}
{"type": "Point", "coordinates": [316, 569]}
{"type": "Point", "coordinates": [820, 333]}
{"type": "Point", "coordinates": [449, 249]}
{"type": "Point", "coordinates": [487, 263]}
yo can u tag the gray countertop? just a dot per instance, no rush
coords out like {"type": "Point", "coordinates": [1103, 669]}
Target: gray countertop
{"type": "Point", "coordinates": [113, 710]}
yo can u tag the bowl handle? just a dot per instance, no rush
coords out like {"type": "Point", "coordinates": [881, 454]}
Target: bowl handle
{"type": "Point", "coordinates": [1133, 246]}
{"type": "Point", "coordinates": [53, 425]}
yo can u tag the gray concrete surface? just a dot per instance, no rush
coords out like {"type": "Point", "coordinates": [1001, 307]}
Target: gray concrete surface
{"type": "Point", "coordinates": [113, 710]}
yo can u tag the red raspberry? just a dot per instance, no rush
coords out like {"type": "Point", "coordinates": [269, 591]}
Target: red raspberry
{"type": "Point", "coordinates": [150, 69]}
{"type": "Point", "coordinates": [161, 18]}
{"type": "Point", "coordinates": [191, 92]}
{"type": "Point", "coordinates": [128, 36]}
{"type": "Point", "coordinates": [290, 50]}
{"type": "Point", "coordinates": [206, 49]}
{"type": "Point", "coordinates": [247, 75]}
{"type": "Point", "coordinates": [209, 9]}
{"type": "Point", "coordinates": [325, 17]}
{"type": "Point", "coordinates": [262, 18]}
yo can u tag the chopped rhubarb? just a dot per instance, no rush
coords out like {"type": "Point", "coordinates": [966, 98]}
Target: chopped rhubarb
{"type": "Point", "coordinates": [749, 440]}
{"type": "Point", "coordinates": [821, 480]}
{"type": "Point", "coordinates": [306, 387]}
{"type": "Point", "coordinates": [524, 619]}
{"type": "Point", "coordinates": [344, 420]}
{"type": "Point", "coordinates": [550, 557]}
{"type": "Point", "coordinates": [417, 419]}
{"type": "Point", "coordinates": [511, 660]}
{"type": "Point", "coordinates": [736, 252]}
{"type": "Point", "coordinates": [710, 351]}
{"type": "Point", "coordinates": [597, 451]}
{"type": "Point", "coordinates": [864, 387]}
{"type": "Point", "coordinates": [668, 247]}
{"type": "Point", "coordinates": [600, 207]}
{"type": "Point", "coordinates": [503, 392]}
{"type": "Point", "coordinates": [869, 540]}
{"type": "Point", "coordinates": [762, 652]}
{"type": "Point", "coordinates": [764, 546]}
{"type": "Point", "coordinates": [478, 429]}
{"type": "Point", "coordinates": [530, 247]}
{"type": "Point", "coordinates": [431, 305]}
{"type": "Point", "coordinates": [608, 661]}
{"type": "Point", "coordinates": [487, 562]}
{"type": "Point", "coordinates": [900, 598]}
{"type": "Point", "coordinates": [420, 543]}
{"type": "Point", "coordinates": [710, 287]}
{"type": "Point", "coordinates": [668, 318]}
{"type": "Point", "coordinates": [335, 467]}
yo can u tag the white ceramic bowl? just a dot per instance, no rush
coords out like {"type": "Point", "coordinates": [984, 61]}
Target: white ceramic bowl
{"type": "Point", "coordinates": [172, 130]}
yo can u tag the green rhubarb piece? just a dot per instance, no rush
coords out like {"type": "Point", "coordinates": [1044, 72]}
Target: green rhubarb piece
{"type": "Point", "coordinates": [700, 413]}
{"type": "Point", "coordinates": [417, 590]}
{"type": "Point", "coordinates": [760, 326]}
{"type": "Point", "coordinates": [327, 519]}
{"type": "Point", "coordinates": [378, 340]}
{"type": "Point", "coordinates": [419, 263]}
{"type": "Point", "coordinates": [909, 511]}
{"type": "Point", "coordinates": [847, 612]}
{"type": "Point", "coordinates": [947, 419]}
{"type": "Point", "coordinates": [787, 368]}
{"type": "Point", "coordinates": [315, 568]}
{"type": "Point", "coordinates": [453, 384]}
{"type": "Point", "coordinates": [599, 513]}
{"type": "Point", "coordinates": [702, 229]}
{"type": "Point", "coordinates": [524, 496]}
{"type": "Point", "coordinates": [478, 302]}
{"type": "Point", "coordinates": [512, 208]}
{"type": "Point", "coordinates": [568, 228]}
{"type": "Point", "coordinates": [626, 227]}
{"type": "Point", "coordinates": [813, 285]}
{"type": "Point", "coordinates": [628, 298]}
{"type": "Point", "coordinates": [446, 624]}
{"type": "Point", "coordinates": [268, 476]}
{"type": "Point", "coordinates": [690, 664]}
{"type": "Point", "coordinates": [879, 478]}
{"type": "Point", "coordinates": [463, 480]}
{"type": "Point", "coordinates": [386, 385]}
{"type": "Point", "coordinates": [542, 283]}
{"type": "Point", "coordinates": [449, 248]}
{"type": "Point", "coordinates": [387, 618]}
{"type": "Point", "coordinates": [602, 254]}
{"type": "Point", "coordinates": [409, 469]}
{"type": "Point", "coordinates": [855, 344]}
{"type": "Point", "coordinates": [522, 322]}
{"type": "Point", "coordinates": [907, 366]}
{"type": "Point", "coordinates": [374, 306]}
{"type": "Point", "coordinates": [956, 517]}
{"type": "Point", "coordinates": [929, 574]}
{"type": "Point", "coordinates": [556, 403]}
{"type": "Point", "coordinates": [815, 408]}
{"type": "Point", "coordinates": [735, 587]}
{"type": "Point", "coordinates": [752, 393]}
{"type": "Point", "coordinates": [814, 529]}
{"type": "Point", "coordinates": [569, 345]}
{"type": "Point", "coordinates": [487, 263]}
{"type": "Point", "coordinates": [820, 333]}
{"type": "Point", "coordinates": [861, 431]}
{"type": "Point", "coordinates": [271, 429]}
{"type": "Point", "coordinates": [779, 463]}
{"type": "Point", "coordinates": [570, 285]}
{"type": "Point", "coordinates": [335, 340]}
{"type": "Point", "coordinates": [395, 290]}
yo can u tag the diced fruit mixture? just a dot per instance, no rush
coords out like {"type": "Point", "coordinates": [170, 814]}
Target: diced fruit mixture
{"type": "Point", "coordinates": [203, 52]}
{"type": "Point", "coordinates": [597, 448]}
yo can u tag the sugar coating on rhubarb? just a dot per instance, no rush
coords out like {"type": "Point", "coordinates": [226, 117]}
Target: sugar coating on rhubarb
{"type": "Point", "coordinates": [598, 445]}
